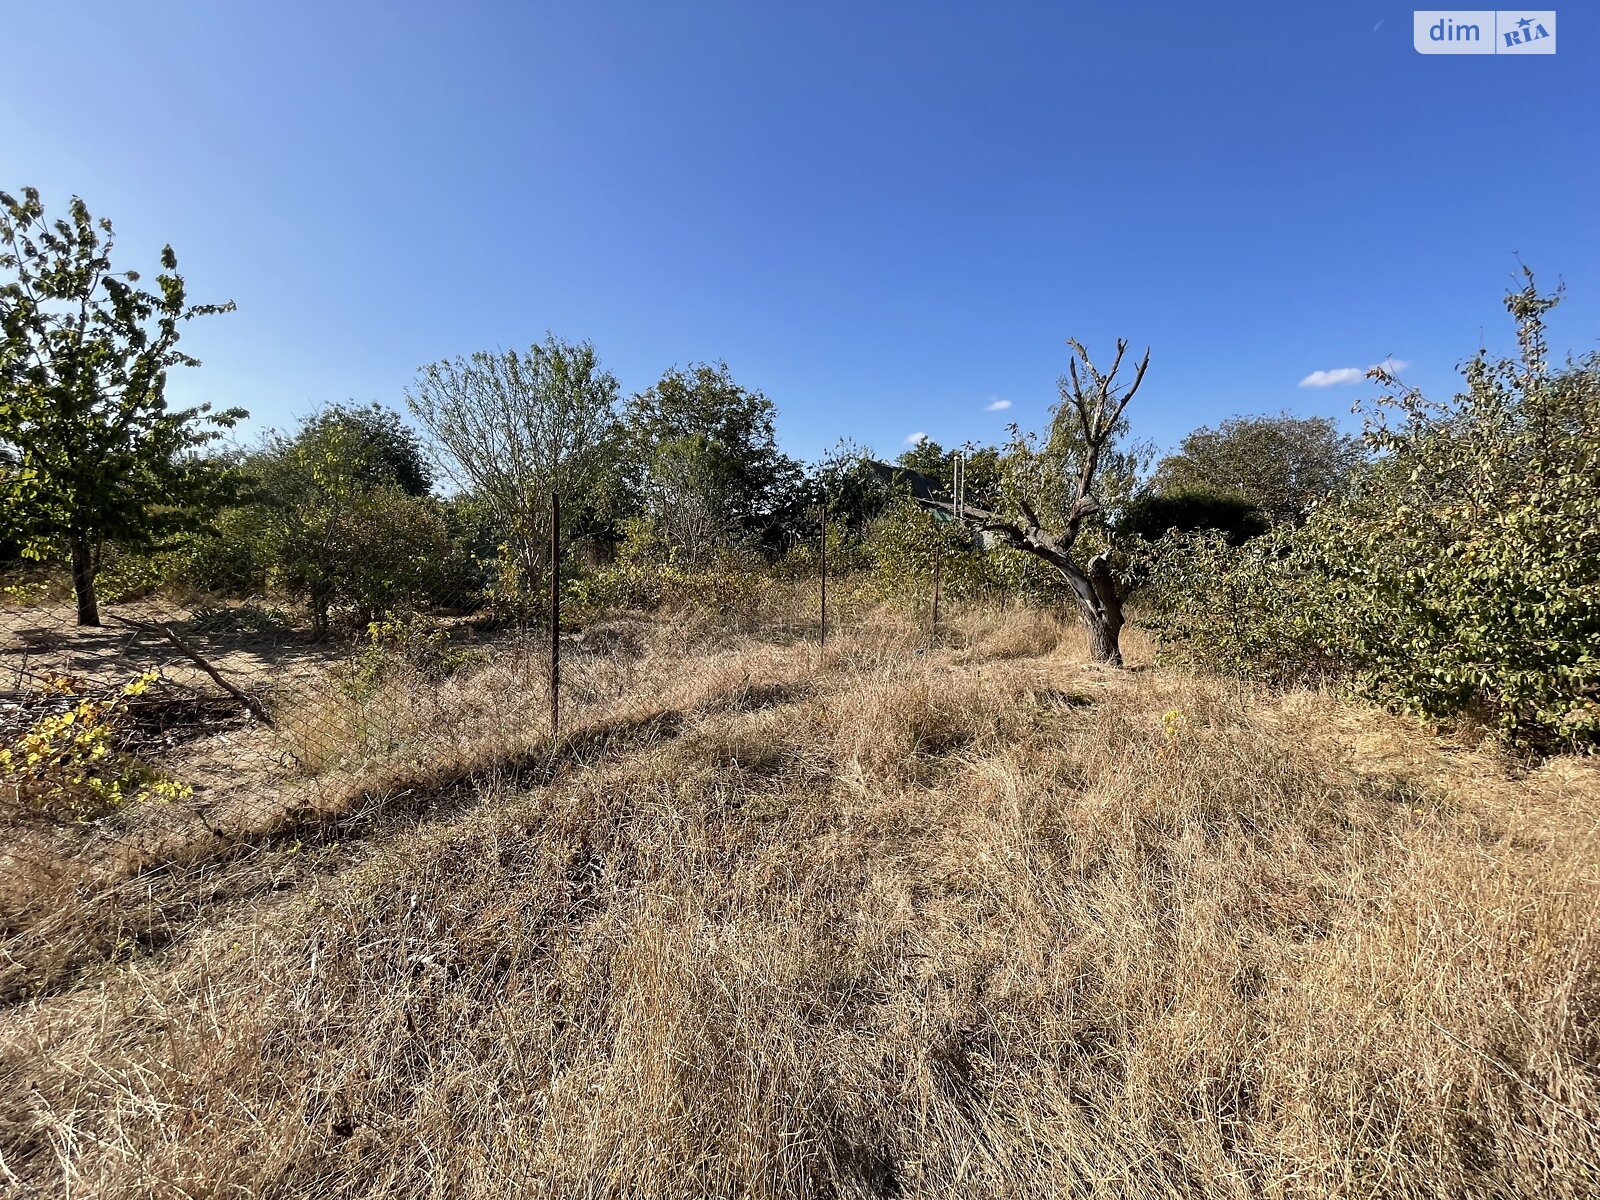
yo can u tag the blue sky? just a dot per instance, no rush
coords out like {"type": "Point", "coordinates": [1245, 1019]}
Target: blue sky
{"type": "Point", "coordinates": [886, 216]}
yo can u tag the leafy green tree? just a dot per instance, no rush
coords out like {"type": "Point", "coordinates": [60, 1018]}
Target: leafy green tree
{"type": "Point", "coordinates": [1467, 569]}
{"type": "Point", "coordinates": [339, 522]}
{"type": "Point", "coordinates": [982, 469]}
{"type": "Point", "coordinates": [510, 428]}
{"type": "Point", "coordinates": [1151, 514]}
{"type": "Point", "coordinates": [704, 460]}
{"type": "Point", "coordinates": [91, 451]}
{"type": "Point", "coordinates": [927, 457]}
{"type": "Point", "coordinates": [382, 448]}
{"type": "Point", "coordinates": [843, 481]}
{"type": "Point", "coordinates": [1282, 466]}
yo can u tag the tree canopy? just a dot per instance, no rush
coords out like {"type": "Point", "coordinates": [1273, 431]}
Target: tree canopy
{"type": "Point", "coordinates": [344, 513]}
{"type": "Point", "coordinates": [704, 459]}
{"type": "Point", "coordinates": [92, 452]}
{"type": "Point", "coordinates": [1282, 465]}
{"type": "Point", "coordinates": [510, 428]}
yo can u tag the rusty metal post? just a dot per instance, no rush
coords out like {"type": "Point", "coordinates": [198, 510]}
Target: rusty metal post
{"type": "Point", "coordinates": [555, 614]}
{"type": "Point", "coordinates": [823, 640]}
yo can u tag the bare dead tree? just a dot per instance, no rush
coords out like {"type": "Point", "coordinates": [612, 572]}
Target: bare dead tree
{"type": "Point", "coordinates": [1096, 402]}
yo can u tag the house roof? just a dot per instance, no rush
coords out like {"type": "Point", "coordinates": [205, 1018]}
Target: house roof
{"type": "Point", "coordinates": [922, 487]}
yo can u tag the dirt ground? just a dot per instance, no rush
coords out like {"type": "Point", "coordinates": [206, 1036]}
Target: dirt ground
{"type": "Point", "coordinates": [45, 639]}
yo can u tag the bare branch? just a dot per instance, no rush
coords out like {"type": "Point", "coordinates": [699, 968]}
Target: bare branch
{"type": "Point", "coordinates": [254, 706]}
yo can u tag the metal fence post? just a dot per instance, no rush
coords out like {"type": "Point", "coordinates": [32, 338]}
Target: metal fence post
{"type": "Point", "coordinates": [555, 614]}
{"type": "Point", "coordinates": [938, 562]}
{"type": "Point", "coordinates": [823, 639]}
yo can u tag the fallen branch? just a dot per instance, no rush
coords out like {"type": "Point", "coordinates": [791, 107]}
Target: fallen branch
{"type": "Point", "coordinates": [255, 707]}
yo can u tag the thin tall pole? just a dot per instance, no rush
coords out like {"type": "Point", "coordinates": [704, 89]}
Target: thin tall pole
{"type": "Point", "coordinates": [555, 613]}
{"type": "Point", "coordinates": [938, 562]}
{"type": "Point", "coordinates": [823, 640]}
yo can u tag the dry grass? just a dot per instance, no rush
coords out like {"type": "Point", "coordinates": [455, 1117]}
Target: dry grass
{"type": "Point", "coordinates": [967, 919]}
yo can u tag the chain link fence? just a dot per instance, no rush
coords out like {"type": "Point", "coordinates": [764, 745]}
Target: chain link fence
{"type": "Point", "coordinates": [143, 759]}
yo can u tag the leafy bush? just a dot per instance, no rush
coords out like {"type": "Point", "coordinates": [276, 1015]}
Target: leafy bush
{"type": "Point", "coordinates": [68, 763]}
{"type": "Point", "coordinates": [1461, 577]}
{"type": "Point", "coordinates": [234, 559]}
{"type": "Point", "coordinates": [728, 585]}
{"type": "Point", "coordinates": [1261, 609]}
{"type": "Point", "coordinates": [30, 585]}
{"type": "Point", "coordinates": [1468, 572]}
{"type": "Point", "coordinates": [1190, 509]}
{"type": "Point", "coordinates": [129, 574]}
{"type": "Point", "coordinates": [904, 544]}
{"type": "Point", "coordinates": [416, 644]}
{"type": "Point", "coordinates": [239, 618]}
{"type": "Point", "coordinates": [650, 573]}
{"type": "Point", "coordinates": [376, 552]}
{"type": "Point", "coordinates": [344, 519]}
{"type": "Point", "coordinates": [846, 552]}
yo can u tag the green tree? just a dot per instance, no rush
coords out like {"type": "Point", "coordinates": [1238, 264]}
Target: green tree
{"type": "Point", "coordinates": [339, 521]}
{"type": "Point", "coordinates": [704, 458]}
{"type": "Point", "coordinates": [1151, 514]}
{"type": "Point", "coordinates": [843, 481]}
{"type": "Point", "coordinates": [1467, 568]}
{"type": "Point", "coordinates": [982, 469]}
{"type": "Point", "coordinates": [92, 452]}
{"type": "Point", "coordinates": [510, 428]}
{"type": "Point", "coordinates": [1282, 465]}
{"type": "Point", "coordinates": [1461, 575]}
{"type": "Point", "coordinates": [927, 457]}
{"type": "Point", "coordinates": [382, 448]}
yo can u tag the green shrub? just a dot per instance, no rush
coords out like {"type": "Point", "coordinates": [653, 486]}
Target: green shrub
{"type": "Point", "coordinates": [417, 644]}
{"type": "Point", "coordinates": [1467, 573]}
{"type": "Point", "coordinates": [730, 584]}
{"type": "Point", "coordinates": [904, 544]}
{"type": "Point", "coordinates": [908, 541]}
{"type": "Point", "coordinates": [1260, 609]}
{"type": "Point", "coordinates": [68, 763]}
{"type": "Point", "coordinates": [250, 617]}
{"type": "Point", "coordinates": [1189, 509]}
{"type": "Point", "coordinates": [127, 575]}
{"type": "Point", "coordinates": [1461, 577]}
{"type": "Point", "coordinates": [234, 560]}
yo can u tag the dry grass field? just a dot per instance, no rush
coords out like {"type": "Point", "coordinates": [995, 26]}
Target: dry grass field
{"type": "Point", "coordinates": [900, 919]}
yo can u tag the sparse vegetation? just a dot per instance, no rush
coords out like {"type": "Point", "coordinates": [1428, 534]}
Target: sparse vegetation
{"type": "Point", "coordinates": [971, 921]}
{"type": "Point", "coordinates": [303, 891]}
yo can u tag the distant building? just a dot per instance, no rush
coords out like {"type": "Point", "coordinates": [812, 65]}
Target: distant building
{"type": "Point", "coordinates": [925, 491]}
{"type": "Point", "coordinates": [922, 488]}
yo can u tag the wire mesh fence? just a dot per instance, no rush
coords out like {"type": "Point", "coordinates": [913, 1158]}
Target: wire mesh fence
{"type": "Point", "coordinates": [179, 734]}
{"type": "Point", "coordinates": [183, 750]}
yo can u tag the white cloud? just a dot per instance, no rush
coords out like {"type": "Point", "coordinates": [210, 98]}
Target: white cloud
{"type": "Point", "coordinates": [916, 439]}
{"type": "Point", "coordinates": [1322, 379]}
{"type": "Point", "coordinates": [998, 405]}
{"type": "Point", "coordinates": [1332, 378]}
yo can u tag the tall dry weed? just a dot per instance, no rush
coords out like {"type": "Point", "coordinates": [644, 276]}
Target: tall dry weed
{"type": "Point", "coordinates": [879, 923]}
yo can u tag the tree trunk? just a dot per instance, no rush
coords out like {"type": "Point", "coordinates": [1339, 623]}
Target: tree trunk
{"type": "Point", "coordinates": [1103, 636]}
{"type": "Point", "coordinates": [1105, 622]}
{"type": "Point", "coordinates": [83, 573]}
{"type": "Point", "coordinates": [321, 600]}
{"type": "Point", "coordinates": [1098, 604]}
